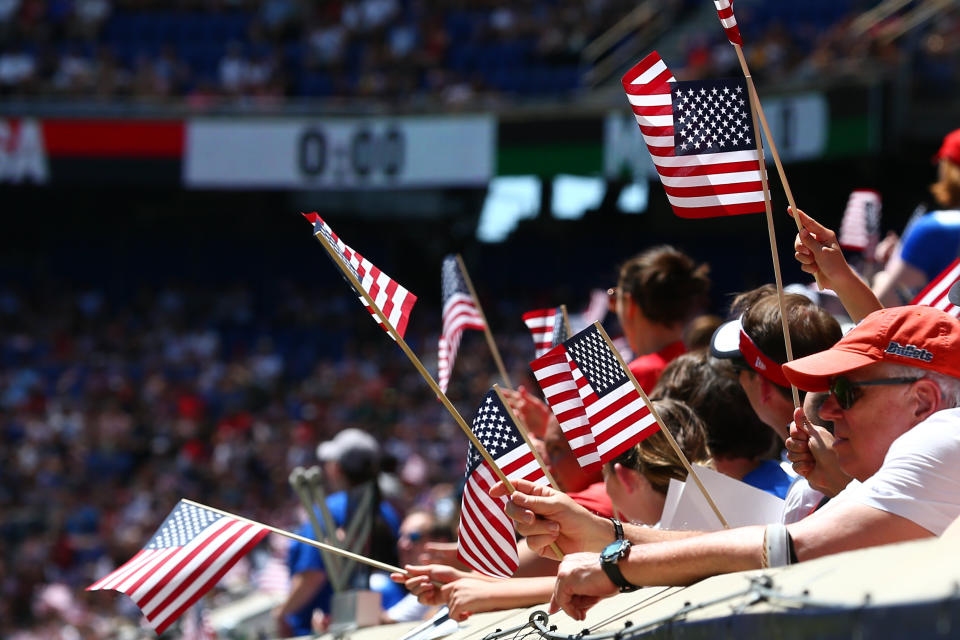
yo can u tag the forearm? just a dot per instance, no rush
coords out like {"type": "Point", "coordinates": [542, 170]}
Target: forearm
{"type": "Point", "coordinates": [856, 295]}
{"type": "Point", "coordinates": [638, 534]}
{"type": "Point", "coordinates": [518, 592]}
{"type": "Point", "coordinates": [683, 562]}
{"type": "Point", "coordinates": [303, 586]}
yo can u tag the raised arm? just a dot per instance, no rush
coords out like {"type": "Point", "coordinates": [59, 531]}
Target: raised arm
{"type": "Point", "coordinates": [818, 252]}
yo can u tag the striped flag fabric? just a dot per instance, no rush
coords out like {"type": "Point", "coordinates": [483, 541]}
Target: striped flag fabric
{"type": "Point", "coordinates": [394, 301]}
{"type": "Point", "coordinates": [616, 412]}
{"type": "Point", "coordinates": [486, 539]}
{"type": "Point", "coordinates": [860, 225]}
{"type": "Point", "coordinates": [183, 560]}
{"type": "Point", "coordinates": [937, 293]}
{"type": "Point", "coordinates": [700, 135]}
{"type": "Point", "coordinates": [460, 312]}
{"type": "Point", "coordinates": [554, 374]}
{"type": "Point", "coordinates": [547, 328]}
{"type": "Point", "coordinates": [728, 20]}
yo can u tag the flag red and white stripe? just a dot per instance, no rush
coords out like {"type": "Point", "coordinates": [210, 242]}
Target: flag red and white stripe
{"type": "Point", "coordinates": [460, 312]}
{"type": "Point", "coordinates": [936, 293]}
{"type": "Point", "coordinates": [728, 20]}
{"type": "Point", "coordinates": [543, 327]}
{"type": "Point", "coordinates": [184, 559]}
{"type": "Point", "coordinates": [860, 225]}
{"type": "Point", "coordinates": [707, 182]}
{"type": "Point", "coordinates": [394, 301]}
{"type": "Point", "coordinates": [616, 412]}
{"type": "Point", "coordinates": [486, 539]}
{"type": "Point", "coordinates": [554, 374]}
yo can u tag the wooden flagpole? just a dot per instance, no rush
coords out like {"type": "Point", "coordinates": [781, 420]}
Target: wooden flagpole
{"type": "Point", "coordinates": [771, 233]}
{"type": "Point", "coordinates": [313, 543]}
{"type": "Point", "coordinates": [352, 278]}
{"type": "Point", "coordinates": [526, 438]}
{"type": "Point", "coordinates": [755, 101]}
{"type": "Point", "coordinates": [663, 429]}
{"type": "Point", "coordinates": [566, 320]}
{"type": "Point", "coordinates": [486, 325]}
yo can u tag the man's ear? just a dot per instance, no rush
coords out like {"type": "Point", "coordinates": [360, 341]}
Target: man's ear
{"type": "Point", "coordinates": [927, 396]}
{"type": "Point", "coordinates": [627, 477]}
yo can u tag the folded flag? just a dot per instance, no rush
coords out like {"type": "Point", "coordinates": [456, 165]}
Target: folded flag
{"type": "Point", "coordinates": [700, 135]}
{"type": "Point", "coordinates": [459, 312]}
{"type": "Point", "coordinates": [391, 298]}
{"type": "Point", "coordinates": [860, 225]}
{"type": "Point", "coordinates": [486, 540]}
{"type": "Point", "coordinates": [728, 20]}
{"type": "Point", "coordinates": [937, 293]}
{"type": "Point", "coordinates": [547, 328]}
{"type": "Point", "coordinates": [617, 415]}
{"type": "Point", "coordinates": [188, 554]}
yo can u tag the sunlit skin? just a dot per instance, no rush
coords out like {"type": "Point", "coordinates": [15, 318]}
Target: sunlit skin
{"type": "Point", "coordinates": [632, 494]}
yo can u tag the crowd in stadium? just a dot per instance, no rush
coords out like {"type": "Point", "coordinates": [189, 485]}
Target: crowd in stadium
{"type": "Point", "coordinates": [409, 53]}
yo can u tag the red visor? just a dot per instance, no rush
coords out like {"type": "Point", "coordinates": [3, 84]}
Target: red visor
{"type": "Point", "coordinates": [760, 363]}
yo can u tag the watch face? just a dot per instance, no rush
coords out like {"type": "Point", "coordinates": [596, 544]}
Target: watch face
{"type": "Point", "coordinates": [612, 551]}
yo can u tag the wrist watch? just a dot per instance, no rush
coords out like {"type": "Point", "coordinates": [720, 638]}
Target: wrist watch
{"type": "Point", "coordinates": [609, 557]}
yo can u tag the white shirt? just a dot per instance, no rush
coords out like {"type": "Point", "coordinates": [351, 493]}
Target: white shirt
{"type": "Point", "coordinates": [801, 500]}
{"type": "Point", "coordinates": [920, 476]}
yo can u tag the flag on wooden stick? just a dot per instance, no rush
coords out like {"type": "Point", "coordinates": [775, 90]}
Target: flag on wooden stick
{"type": "Point", "coordinates": [701, 137]}
{"type": "Point", "coordinates": [394, 301]}
{"type": "Point", "coordinates": [729, 21]}
{"type": "Point", "coordinates": [486, 539]}
{"type": "Point", "coordinates": [459, 312]}
{"type": "Point", "coordinates": [189, 553]}
{"type": "Point", "coordinates": [617, 414]}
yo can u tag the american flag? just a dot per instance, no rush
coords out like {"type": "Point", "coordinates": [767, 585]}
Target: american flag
{"type": "Point", "coordinates": [860, 225]}
{"type": "Point", "coordinates": [184, 559]}
{"type": "Point", "coordinates": [547, 328]}
{"type": "Point", "coordinates": [394, 301]}
{"type": "Point", "coordinates": [616, 412]}
{"type": "Point", "coordinates": [728, 20]}
{"type": "Point", "coordinates": [486, 540]}
{"type": "Point", "coordinates": [459, 312]}
{"type": "Point", "coordinates": [936, 294]}
{"type": "Point", "coordinates": [700, 135]}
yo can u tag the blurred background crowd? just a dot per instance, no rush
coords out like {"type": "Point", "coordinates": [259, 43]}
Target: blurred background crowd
{"type": "Point", "coordinates": [429, 52]}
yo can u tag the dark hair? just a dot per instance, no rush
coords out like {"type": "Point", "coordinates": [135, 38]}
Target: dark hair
{"type": "Point", "coordinates": [667, 285]}
{"type": "Point", "coordinates": [655, 458]}
{"type": "Point", "coordinates": [382, 543]}
{"type": "Point", "coordinates": [710, 386]}
{"type": "Point", "coordinates": [811, 328]}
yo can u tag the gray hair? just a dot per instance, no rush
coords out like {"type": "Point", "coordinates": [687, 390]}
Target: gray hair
{"type": "Point", "coordinates": [949, 386]}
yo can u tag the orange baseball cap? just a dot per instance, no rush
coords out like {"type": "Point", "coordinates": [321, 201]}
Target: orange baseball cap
{"type": "Point", "coordinates": [950, 149]}
{"type": "Point", "coordinates": [917, 336]}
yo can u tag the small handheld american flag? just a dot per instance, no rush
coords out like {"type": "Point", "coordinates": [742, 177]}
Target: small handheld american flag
{"type": "Point", "coordinates": [617, 414]}
{"type": "Point", "coordinates": [189, 553]}
{"type": "Point", "coordinates": [728, 20]}
{"type": "Point", "coordinates": [459, 312]}
{"type": "Point", "coordinates": [391, 298]}
{"type": "Point", "coordinates": [700, 135]}
{"type": "Point", "coordinates": [486, 540]}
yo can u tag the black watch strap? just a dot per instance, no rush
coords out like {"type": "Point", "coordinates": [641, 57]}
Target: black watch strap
{"type": "Point", "coordinates": [617, 528]}
{"type": "Point", "coordinates": [612, 569]}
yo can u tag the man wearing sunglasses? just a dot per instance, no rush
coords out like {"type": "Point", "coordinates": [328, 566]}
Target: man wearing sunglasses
{"type": "Point", "coordinates": [894, 383]}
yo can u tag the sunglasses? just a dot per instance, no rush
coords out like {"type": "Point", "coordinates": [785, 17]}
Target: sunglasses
{"type": "Point", "coordinates": [847, 391]}
{"type": "Point", "coordinates": [412, 536]}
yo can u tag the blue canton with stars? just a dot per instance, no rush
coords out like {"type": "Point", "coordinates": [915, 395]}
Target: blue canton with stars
{"type": "Point", "coordinates": [711, 116]}
{"type": "Point", "coordinates": [183, 524]}
{"type": "Point", "coordinates": [494, 429]}
{"type": "Point", "coordinates": [451, 281]}
{"type": "Point", "coordinates": [559, 329]}
{"type": "Point", "coordinates": [596, 362]}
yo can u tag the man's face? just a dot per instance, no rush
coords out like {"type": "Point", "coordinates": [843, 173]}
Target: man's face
{"type": "Point", "coordinates": [414, 533]}
{"type": "Point", "coordinates": [865, 431]}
